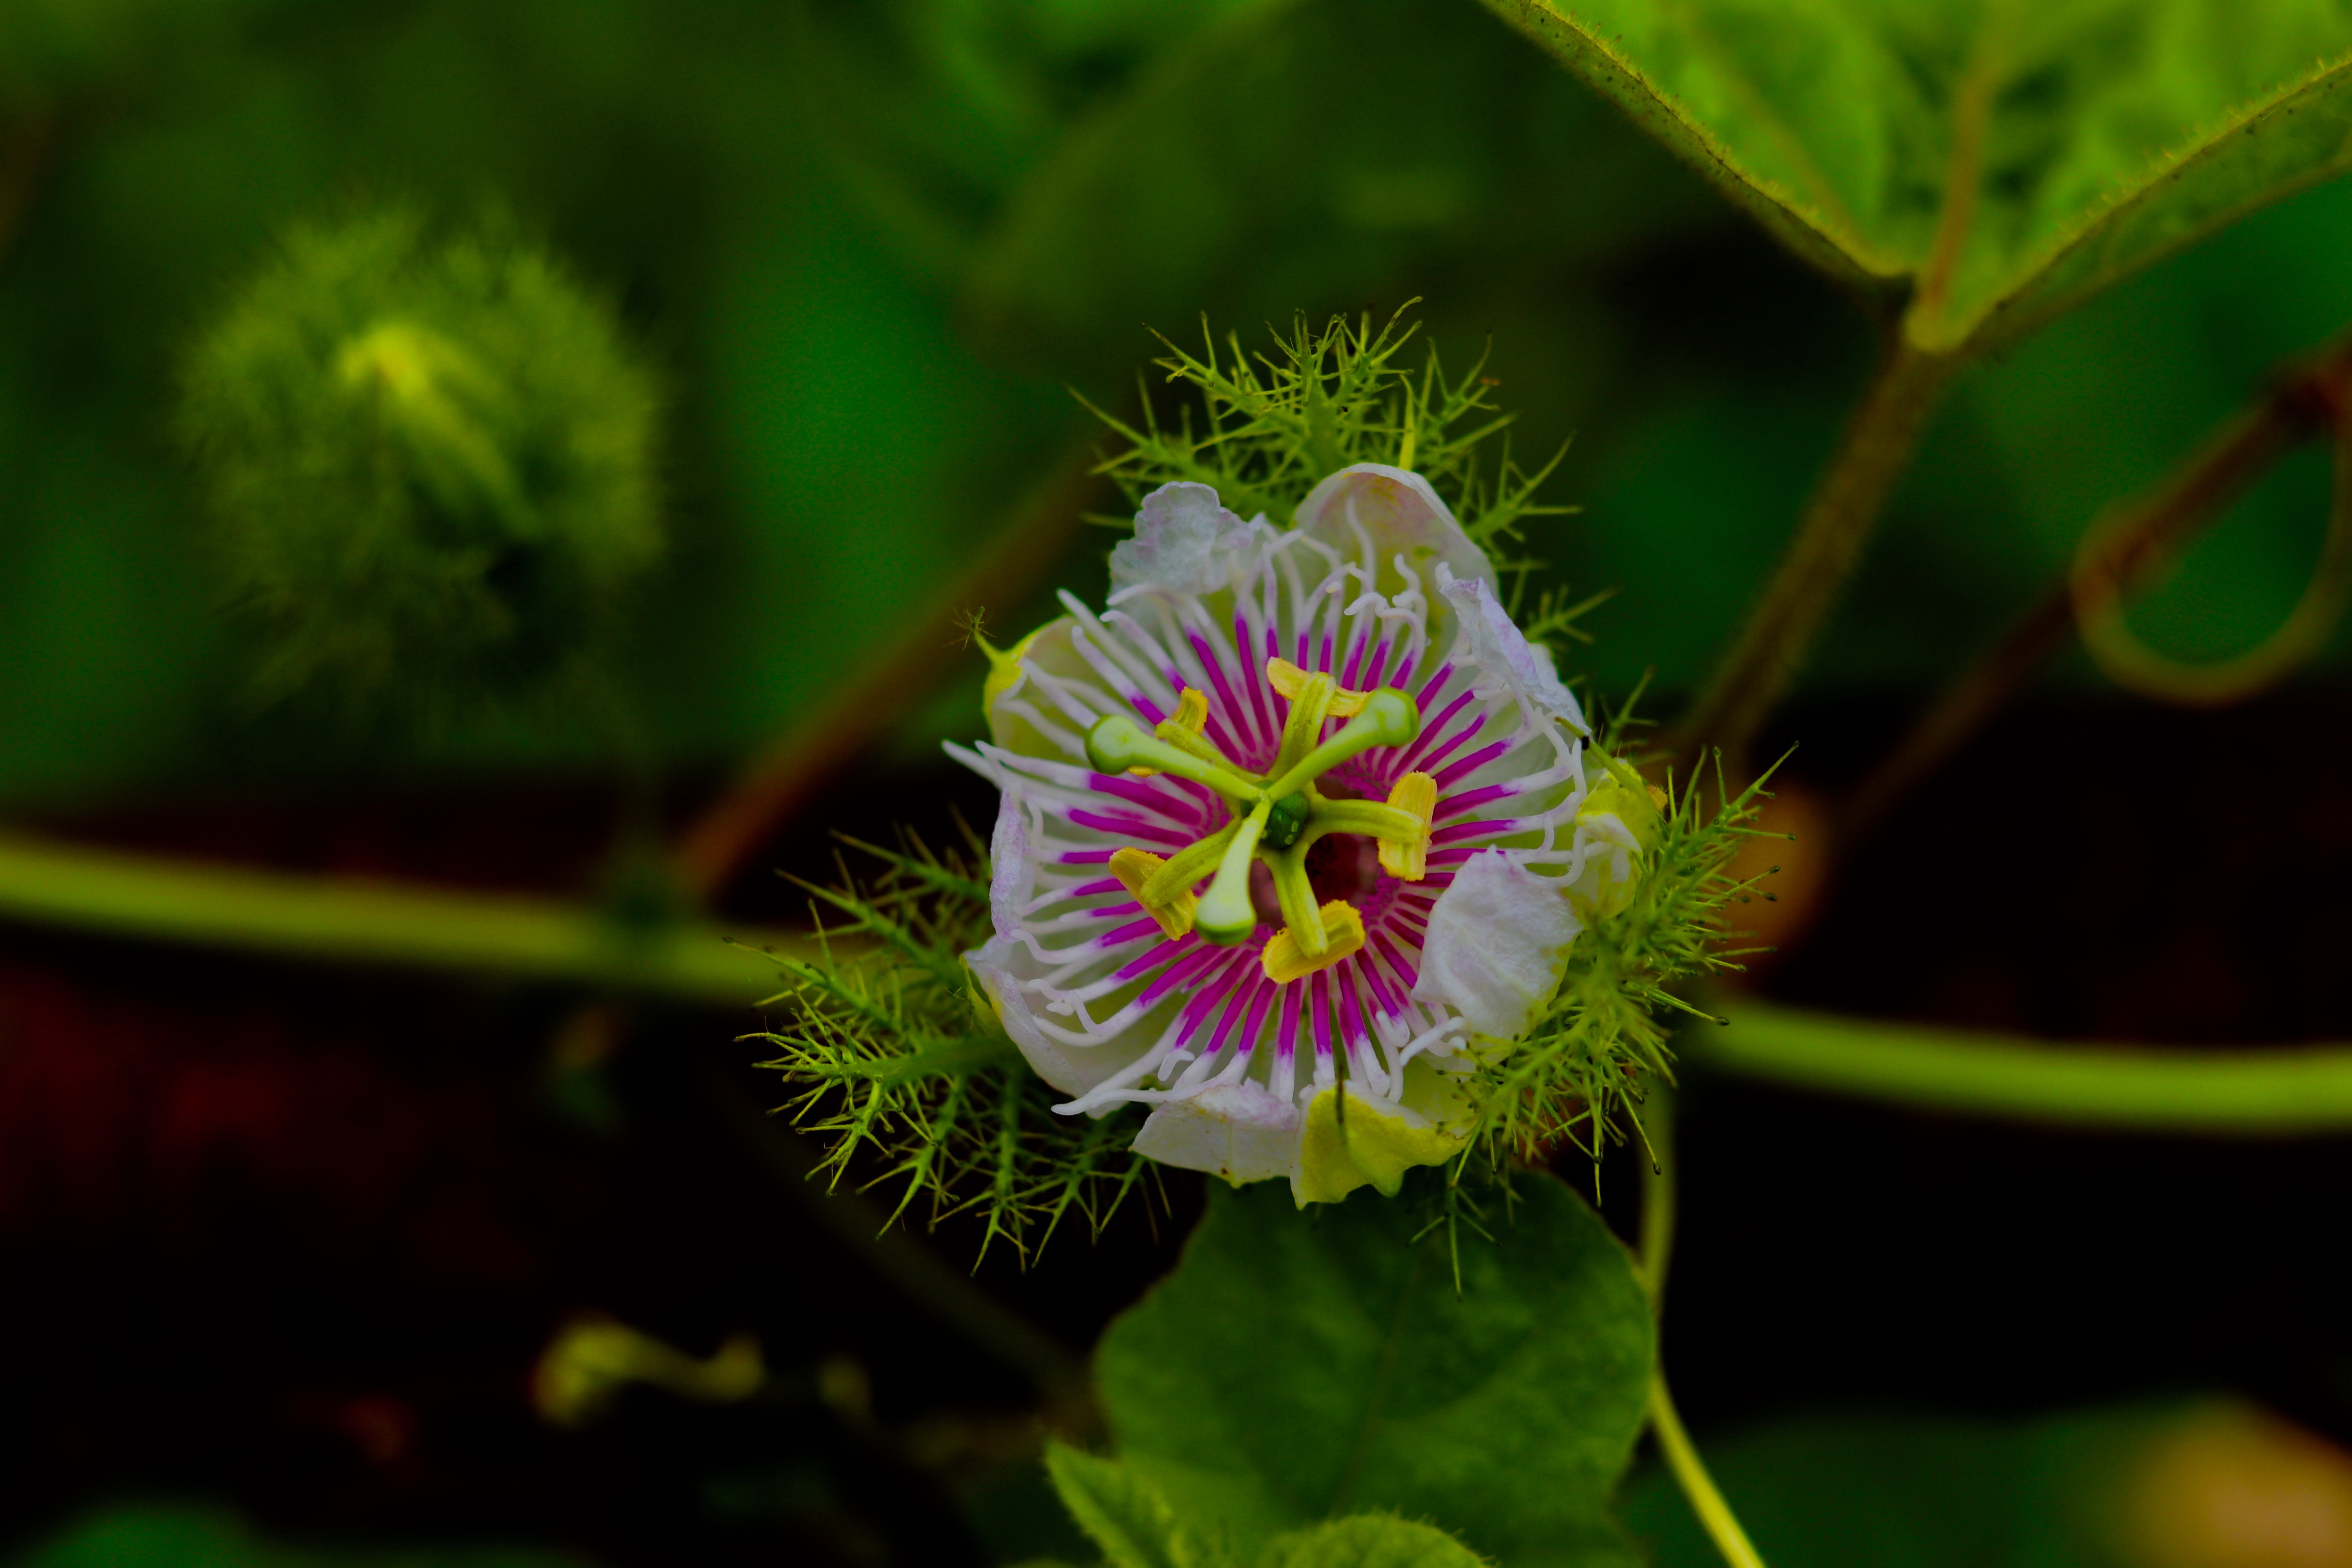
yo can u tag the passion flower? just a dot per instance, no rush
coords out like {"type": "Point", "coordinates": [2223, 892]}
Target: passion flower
{"type": "Point", "coordinates": [1295, 824]}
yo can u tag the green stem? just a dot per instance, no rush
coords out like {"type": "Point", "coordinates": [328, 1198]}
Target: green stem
{"type": "Point", "coordinates": [354, 921]}
{"type": "Point", "coordinates": [1845, 505]}
{"type": "Point", "coordinates": [1658, 1193]}
{"type": "Point", "coordinates": [2141, 537]}
{"type": "Point", "coordinates": [885, 681]}
{"type": "Point", "coordinates": [1294, 893]}
{"type": "Point", "coordinates": [1715, 1515]}
{"type": "Point", "coordinates": [1721, 1524]}
{"type": "Point", "coordinates": [1188, 865]}
{"type": "Point", "coordinates": [2265, 1092]}
{"type": "Point", "coordinates": [1118, 742]}
{"type": "Point", "coordinates": [1372, 819]}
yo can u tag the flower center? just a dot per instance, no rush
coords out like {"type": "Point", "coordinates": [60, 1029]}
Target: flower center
{"type": "Point", "coordinates": [1343, 866]}
{"type": "Point", "coordinates": [1270, 861]}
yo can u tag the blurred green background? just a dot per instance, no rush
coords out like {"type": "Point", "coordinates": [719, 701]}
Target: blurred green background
{"type": "Point", "coordinates": [869, 247]}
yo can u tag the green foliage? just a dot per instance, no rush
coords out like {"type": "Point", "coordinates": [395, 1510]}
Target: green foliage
{"type": "Point", "coordinates": [1291, 1371]}
{"type": "Point", "coordinates": [840, 439]}
{"type": "Point", "coordinates": [1274, 426]}
{"type": "Point", "coordinates": [430, 459]}
{"type": "Point", "coordinates": [894, 1053]}
{"type": "Point", "coordinates": [2002, 160]}
{"type": "Point", "coordinates": [1125, 1514]}
{"type": "Point", "coordinates": [1369, 1540]}
{"type": "Point", "coordinates": [1131, 1521]}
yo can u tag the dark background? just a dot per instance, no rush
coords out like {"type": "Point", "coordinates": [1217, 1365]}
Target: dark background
{"type": "Point", "coordinates": [282, 1242]}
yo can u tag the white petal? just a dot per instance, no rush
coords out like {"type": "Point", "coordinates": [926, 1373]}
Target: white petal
{"type": "Point", "coordinates": [1508, 662]}
{"type": "Point", "coordinates": [1548, 667]}
{"type": "Point", "coordinates": [1012, 697]}
{"type": "Point", "coordinates": [993, 963]}
{"type": "Point", "coordinates": [1398, 514]}
{"type": "Point", "coordinates": [1182, 544]}
{"type": "Point", "coordinates": [1014, 879]}
{"type": "Point", "coordinates": [1243, 1131]}
{"type": "Point", "coordinates": [1497, 942]}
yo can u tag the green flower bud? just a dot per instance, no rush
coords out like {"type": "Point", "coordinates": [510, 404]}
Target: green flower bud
{"type": "Point", "coordinates": [1619, 826]}
{"type": "Point", "coordinates": [429, 459]}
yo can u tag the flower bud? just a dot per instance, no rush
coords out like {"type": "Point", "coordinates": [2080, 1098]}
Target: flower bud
{"type": "Point", "coordinates": [429, 459]}
{"type": "Point", "coordinates": [1617, 831]}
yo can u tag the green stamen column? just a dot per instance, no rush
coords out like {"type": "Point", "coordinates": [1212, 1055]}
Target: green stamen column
{"type": "Point", "coordinates": [1225, 917]}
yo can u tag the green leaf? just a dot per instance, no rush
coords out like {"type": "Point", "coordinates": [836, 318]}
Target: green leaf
{"type": "Point", "coordinates": [2002, 160]}
{"type": "Point", "coordinates": [1369, 1540]}
{"type": "Point", "coordinates": [1300, 1366]}
{"type": "Point", "coordinates": [1124, 1513]}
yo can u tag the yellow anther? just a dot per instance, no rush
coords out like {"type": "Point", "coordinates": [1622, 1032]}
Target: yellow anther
{"type": "Point", "coordinates": [1291, 680]}
{"type": "Point", "coordinates": [1407, 860]}
{"type": "Point", "coordinates": [1133, 868]}
{"type": "Point", "coordinates": [1191, 714]}
{"type": "Point", "coordinates": [1343, 931]}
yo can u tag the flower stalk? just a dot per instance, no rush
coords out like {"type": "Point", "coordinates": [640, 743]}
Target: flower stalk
{"type": "Point", "coordinates": [1754, 674]}
{"type": "Point", "coordinates": [1715, 1515]}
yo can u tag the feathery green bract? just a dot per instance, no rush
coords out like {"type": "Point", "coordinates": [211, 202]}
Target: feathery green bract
{"type": "Point", "coordinates": [1277, 423]}
{"type": "Point", "coordinates": [1578, 1077]}
{"type": "Point", "coordinates": [899, 1064]}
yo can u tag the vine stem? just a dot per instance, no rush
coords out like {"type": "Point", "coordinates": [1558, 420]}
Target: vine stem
{"type": "Point", "coordinates": [1846, 504]}
{"type": "Point", "coordinates": [2131, 664]}
{"type": "Point", "coordinates": [1715, 1515]}
{"type": "Point", "coordinates": [1690, 1472]}
{"type": "Point", "coordinates": [1657, 1248]}
{"type": "Point", "coordinates": [1755, 672]}
{"type": "Point", "coordinates": [2248, 1092]}
{"type": "Point", "coordinates": [832, 734]}
{"type": "Point", "coordinates": [355, 920]}
{"type": "Point", "coordinates": [2302, 404]}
